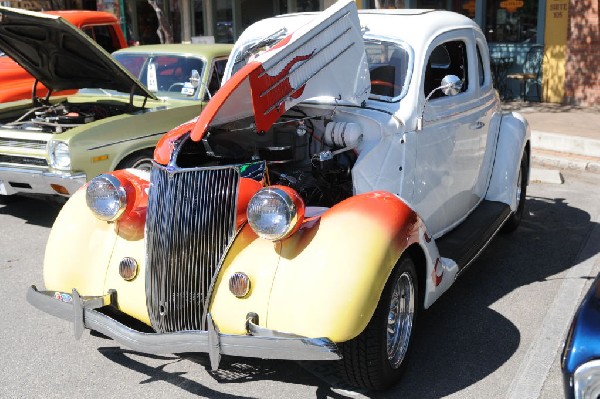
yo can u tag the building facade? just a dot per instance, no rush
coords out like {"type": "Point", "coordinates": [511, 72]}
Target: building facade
{"type": "Point", "coordinates": [558, 37]}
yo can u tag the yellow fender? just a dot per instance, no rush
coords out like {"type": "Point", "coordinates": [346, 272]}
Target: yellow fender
{"type": "Point", "coordinates": [326, 279]}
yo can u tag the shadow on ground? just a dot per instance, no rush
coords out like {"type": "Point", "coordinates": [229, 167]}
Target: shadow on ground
{"type": "Point", "coordinates": [40, 211]}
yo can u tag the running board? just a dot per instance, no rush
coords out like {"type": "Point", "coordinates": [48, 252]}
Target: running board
{"type": "Point", "coordinates": [465, 242]}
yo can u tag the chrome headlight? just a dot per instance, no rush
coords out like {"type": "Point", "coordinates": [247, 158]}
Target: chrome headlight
{"type": "Point", "coordinates": [587, 380]}
{"type": "Point", "coordinates": [106, 197]}
{"type": "Point", "coordinates": [60, 157]}
{"type": "Point", "coordinates": [275, 212]}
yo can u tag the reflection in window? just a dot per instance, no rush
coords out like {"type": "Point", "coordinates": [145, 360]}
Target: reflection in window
{"type": "Point", "coordinates": [449, 58]}
{"type": "Point", "coordinates": [163, 74]}
{"type": "Point", "coordinates": [388, 67]}
{"type": "Point", "coordinates": [511, 25]}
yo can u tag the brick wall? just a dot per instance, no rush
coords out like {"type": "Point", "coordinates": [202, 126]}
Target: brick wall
{"type": "Point", "coordinates": [582, 80]}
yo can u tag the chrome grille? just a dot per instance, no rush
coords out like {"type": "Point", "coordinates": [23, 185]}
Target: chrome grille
{"type": "Point", "coordinates": [190, 224]}
{"type": "Point", "coordinates": [20, 160]}
{"type": "Point", "coordinates": [23, 143]}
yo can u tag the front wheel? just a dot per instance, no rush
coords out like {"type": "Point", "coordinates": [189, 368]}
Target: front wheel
{"type": "Point", "coordinates": [140, 160]}
{"type": "Point", "coordinates": [377, 357]}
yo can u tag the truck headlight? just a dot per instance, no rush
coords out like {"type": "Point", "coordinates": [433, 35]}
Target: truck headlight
{"type": "Point", "coordinates": [587, 380]}
{"type": "Point", "coordinates": [60, 157]}
{"type": "Point", "coordinates": [275, 212]}
{"type": "Point", "coordinates": [106, 197]}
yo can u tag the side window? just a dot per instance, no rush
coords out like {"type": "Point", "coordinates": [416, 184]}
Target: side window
{"type": "Point", "coordinates": [448, 58]}
{"type": "Point", "coordinates": [480, 67]}
{"type": "Point", "coordinates": [216, 77]}
{"type": "Point", "coordinates": [105, 37]}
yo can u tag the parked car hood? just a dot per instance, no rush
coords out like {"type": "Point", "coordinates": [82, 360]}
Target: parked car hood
{"type": "Point", "coordinates": [61, 56]}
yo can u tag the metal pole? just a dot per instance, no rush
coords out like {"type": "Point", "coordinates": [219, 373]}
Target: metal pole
{"type": "Point", "coordinates": [186, 21]}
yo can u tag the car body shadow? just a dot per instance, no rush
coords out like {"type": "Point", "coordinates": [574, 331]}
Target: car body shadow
{"type": "Point", "coordinates": [39, 211]}
{"type": "Point", "coordinates": [460, 339]}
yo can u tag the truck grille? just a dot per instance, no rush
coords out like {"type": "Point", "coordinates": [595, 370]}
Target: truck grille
{"type": "Point", "coordinates": [15, 159]}
{"type": "Point", "coordinates": [23, 143]}
{"type": "Point", "coordinates": [190, 224]}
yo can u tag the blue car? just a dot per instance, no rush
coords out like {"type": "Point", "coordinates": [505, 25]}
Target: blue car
{"type": "Point", "coordinates": [581, 355]}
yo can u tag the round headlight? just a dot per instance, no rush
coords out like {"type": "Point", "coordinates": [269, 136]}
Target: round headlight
{"type": "Point", "coordinates": [274, 212]}
{"type": "Point", "coordinates": [106, 197]}
{"type": "Point", "coordinates": [60, 157]}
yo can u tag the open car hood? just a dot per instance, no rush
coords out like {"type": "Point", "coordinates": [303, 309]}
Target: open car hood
{"type": "Point", "coordinates": [324, 58]}
{"type": "Point", "coordinates": [61, 56]}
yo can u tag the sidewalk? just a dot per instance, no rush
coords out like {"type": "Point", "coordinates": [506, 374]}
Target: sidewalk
{"type": "Point", "coordinates": [562, 136]}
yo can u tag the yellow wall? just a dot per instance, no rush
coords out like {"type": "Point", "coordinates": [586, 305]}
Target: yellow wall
{"type": "Point", "coordinates": [555, 50]}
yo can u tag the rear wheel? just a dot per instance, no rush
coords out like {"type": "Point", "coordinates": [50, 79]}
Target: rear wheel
{"type": "Point", "coordinates": [514, 219]}
{"type": "Point", "coordinates": [377, 357]}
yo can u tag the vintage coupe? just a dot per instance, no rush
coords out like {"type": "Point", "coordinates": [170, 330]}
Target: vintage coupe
{"type": "Point", "coordinates": [350, 168]}
{"type": "Point", "coordinates": [581, 353]}
{"type": "Point", "coordinates": [53, 145]}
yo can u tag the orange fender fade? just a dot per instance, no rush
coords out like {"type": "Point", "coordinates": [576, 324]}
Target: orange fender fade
{"type": "Point", "coordinates": [331, 273]}
{"type": "Point", "coordinates": [131, 224]}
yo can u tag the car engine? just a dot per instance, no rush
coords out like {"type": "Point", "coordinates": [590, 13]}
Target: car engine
{"type": "Point", "coordinates": [57, 118]}
{"type": "Point", "coordinates": [312, 154]}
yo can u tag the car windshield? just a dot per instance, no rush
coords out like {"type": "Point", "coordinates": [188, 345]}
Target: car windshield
{"type": "Point", "coordinates": [389, 64]}
{"type": "Point", "coordinates": [388, 68]}
{"type": "Point", "coordinates": [164, 75]}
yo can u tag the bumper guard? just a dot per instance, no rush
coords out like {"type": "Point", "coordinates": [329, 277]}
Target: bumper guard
{"type": "Point", "coordinates": [270, 344]}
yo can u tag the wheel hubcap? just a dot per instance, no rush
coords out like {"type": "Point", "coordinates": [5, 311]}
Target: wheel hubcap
{"type": "Point", "coordinates": [143, 164]}
{"type": "Point", "coordinates": [400, 319]}
{"type": "Point", "coordinates": [518, 192]}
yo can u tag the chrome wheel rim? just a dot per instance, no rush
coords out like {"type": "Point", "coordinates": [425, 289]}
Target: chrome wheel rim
{"type": "Point", "coordinates": [400, 319]}
{"type": "Point", "coordinates": [143, 164]}
{"type": "Point", "coordinates": [518, 191]}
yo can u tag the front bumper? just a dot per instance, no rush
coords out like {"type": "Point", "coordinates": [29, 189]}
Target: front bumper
{"type": "Point", "coordinates": [38, 181]}
{"type": "Point", "coordinates": [259, 343]}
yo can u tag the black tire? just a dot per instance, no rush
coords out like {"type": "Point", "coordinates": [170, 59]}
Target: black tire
{"type": "Point", "coordinates": [138, 160]}
{"type": "Point", "coordinates": [514, 219]}
{"type": "Point", "coordinates": [367, 362]}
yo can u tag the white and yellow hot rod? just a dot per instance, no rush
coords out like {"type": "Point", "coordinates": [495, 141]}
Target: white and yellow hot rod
{"type": "Point", "coordinates": [351, 166]}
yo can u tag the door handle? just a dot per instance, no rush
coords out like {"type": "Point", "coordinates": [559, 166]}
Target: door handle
{"type": "Point", "coordinates": [477, 125]}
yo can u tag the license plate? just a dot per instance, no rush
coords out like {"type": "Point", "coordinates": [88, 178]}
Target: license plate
{"type": "Point", "coordinates": [2, 188]}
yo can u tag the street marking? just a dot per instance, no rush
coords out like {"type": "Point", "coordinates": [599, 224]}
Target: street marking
{"type": "Point", "coordinates": [534, 368]}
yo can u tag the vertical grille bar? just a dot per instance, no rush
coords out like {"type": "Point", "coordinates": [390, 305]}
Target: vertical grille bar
{"type": "Point", "coordinates": [190, 224]}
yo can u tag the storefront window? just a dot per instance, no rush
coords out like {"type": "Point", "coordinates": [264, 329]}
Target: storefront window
{"type": "Point", "coordinates": [224, 22]}
{"type": "Point", "coordinates": [387, 4]}
{"type": "Point", "coordinates": [511, 21]}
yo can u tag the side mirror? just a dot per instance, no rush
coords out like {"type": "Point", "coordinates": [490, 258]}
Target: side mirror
{"type": "Point", "coordinates": [451, 85]}
{"type": "Point", "coordinates": [195, 78]}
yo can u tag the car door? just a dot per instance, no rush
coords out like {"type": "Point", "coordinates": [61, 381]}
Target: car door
{"type": "Point", "coordinates": [451, 146]}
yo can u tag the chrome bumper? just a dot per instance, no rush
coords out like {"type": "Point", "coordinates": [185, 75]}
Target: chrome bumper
{"type": "Point", "coordinates": [260, 343]}
{"type": "Point", "coordinates": [38, 181]}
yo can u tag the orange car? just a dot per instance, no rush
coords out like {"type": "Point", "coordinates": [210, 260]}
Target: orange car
{"type": "Point", "coordinates": [17, 84]}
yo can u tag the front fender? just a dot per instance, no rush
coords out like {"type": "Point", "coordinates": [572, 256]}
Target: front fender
{"type": "Point", "coordinates": [84, 252]}
{"type": "Point", "coordinates": [325, 280]}
{"type": "Point", "coordinates": [78, 249]}
{"type": "Point", "coordinates": [331, 276]}
{"type": "Point", "coordinates": [513, 137]}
